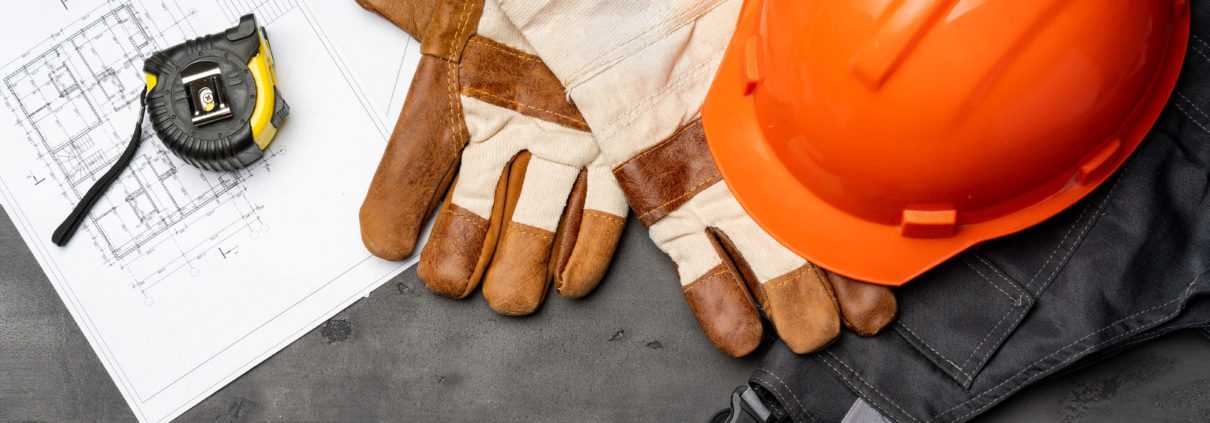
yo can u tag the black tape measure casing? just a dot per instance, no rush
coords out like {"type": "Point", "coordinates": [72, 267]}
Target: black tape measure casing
{"type": "Point", "coordinates": [213, 100]}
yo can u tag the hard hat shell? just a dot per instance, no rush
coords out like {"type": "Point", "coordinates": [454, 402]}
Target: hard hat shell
{"type": "Point", "coordinates": [878, 138]}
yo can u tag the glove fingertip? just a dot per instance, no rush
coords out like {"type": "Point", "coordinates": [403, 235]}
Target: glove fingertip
{"type": "Point", "coordinates": [866, 308]}
{"type": "Point", "coordinates": [457, 252]}
{"type": "Point", "coordinates": [516, 282]}
{"type": "Point", "coordinates": [586, 263]}
{"type": "Point", "coordinates": [382, 241]}
{"type": "Point", "coordinates": [723, 309]}
{"type": "Point", "coordinates": [802, 308]}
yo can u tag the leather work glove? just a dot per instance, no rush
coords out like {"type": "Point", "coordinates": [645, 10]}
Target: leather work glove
{"type": "Point", "coordinates": [639, 72]}
{"type": "Point", "coordinates": [531, 200]}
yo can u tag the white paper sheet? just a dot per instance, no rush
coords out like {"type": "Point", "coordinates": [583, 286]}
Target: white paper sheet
{"type": "Point", "coordinates": [183, 279]}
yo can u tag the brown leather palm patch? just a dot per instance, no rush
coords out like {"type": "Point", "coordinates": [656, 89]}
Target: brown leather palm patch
{"type": "Point", "coordinates": [512, 79]}
{"type": "Point", "coordinates": [667, 175]}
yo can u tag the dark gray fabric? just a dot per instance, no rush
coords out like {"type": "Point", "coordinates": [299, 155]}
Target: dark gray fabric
{"type": "Point", "coordinates": [1123, 266]}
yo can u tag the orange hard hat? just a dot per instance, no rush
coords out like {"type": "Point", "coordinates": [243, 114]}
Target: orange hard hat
{"type": "Point", "coordinates": [878, 138]}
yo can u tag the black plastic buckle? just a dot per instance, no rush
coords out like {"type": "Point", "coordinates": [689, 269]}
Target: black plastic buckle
{"type": "Point", "coordinates": [741, 410]}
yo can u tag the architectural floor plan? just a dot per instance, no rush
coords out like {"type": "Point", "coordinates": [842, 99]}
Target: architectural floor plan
{"type": "Point", "coordinates": [215, 269]}
{"type": "Point", "coordinates": [65, 98]}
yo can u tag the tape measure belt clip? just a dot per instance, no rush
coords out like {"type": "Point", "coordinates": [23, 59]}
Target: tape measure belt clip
{"type": "Point", "coordinates": [204, 87]}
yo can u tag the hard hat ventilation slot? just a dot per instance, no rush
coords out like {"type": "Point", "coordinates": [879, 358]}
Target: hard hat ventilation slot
{"type": "Point", "coordinates": [1088, 169]}
{"type": "Point", "coordinates": [928, 221]}
{"type": "Point", "coordinates": [752, 64]}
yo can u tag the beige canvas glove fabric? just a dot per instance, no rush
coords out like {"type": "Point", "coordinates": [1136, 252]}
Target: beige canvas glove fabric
{"type": "Point", "coordinates": [531, 201]}
{"type": "Point", "coordinates": [639, 72]}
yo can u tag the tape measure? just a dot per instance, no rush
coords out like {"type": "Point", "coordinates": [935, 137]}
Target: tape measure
{"type": "Point", "coordinates": [213, 102]}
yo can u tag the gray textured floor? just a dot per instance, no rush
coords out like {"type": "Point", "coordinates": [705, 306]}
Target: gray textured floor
{"type": "Point", "coordinates": [629, 352]}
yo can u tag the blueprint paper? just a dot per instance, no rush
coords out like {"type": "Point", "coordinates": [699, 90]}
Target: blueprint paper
{"type": "Point", "coordinates": [384, 57]}
{"type": "Point", "coordinates": [183, 279]}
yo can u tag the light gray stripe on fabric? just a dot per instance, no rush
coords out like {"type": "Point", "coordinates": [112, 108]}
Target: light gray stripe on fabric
{"type": "Point", "coordinates": [861, 412]}
{"type": "Point", "coordinates": [759, 407]}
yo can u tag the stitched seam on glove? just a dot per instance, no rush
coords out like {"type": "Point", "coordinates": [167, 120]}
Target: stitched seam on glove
{"type": "Point", "coordinates": [512, 79]}
{"type": "Point", "coordinates": [521, 56]}
{"type": "Point", "coordinates": [630, 116]}
{"type": "Point", "coordinates": [799, 275]}
{"type": "Point", "coordinates": [693, 190]}
{"type": "Point", "coordinates": [686, 17]}
{"type": "Point", "coordinates": [666, 176]}
{"type": "Point", "coordinates": [466, 13]}
{"type": "Point", "coordinates": [481, 227]}
{"type": "Point", "coordinates": [481, 92]}
{"type": "Point", "coordinates": [706, 278]}
{"type": "Point", "coordinates": [612, 219]}
{"type": "Point", "coordinates": [535, 235]}
{"type": "Point", "coordinates": [656, 147]}
{"type": "Point", "coordinates": [455, 109]}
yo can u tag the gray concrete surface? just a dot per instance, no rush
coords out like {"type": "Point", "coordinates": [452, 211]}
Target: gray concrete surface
{"type": "Point", "coordinates": [629, 352]}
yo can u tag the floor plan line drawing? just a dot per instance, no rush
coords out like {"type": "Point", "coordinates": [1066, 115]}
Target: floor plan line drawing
{"type": "Point", "coordinates": [266, 10]}
{"type": "Point", "coordinates": [63, 94]}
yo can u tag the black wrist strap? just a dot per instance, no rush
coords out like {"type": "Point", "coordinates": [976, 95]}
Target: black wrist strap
{"type": "Point", "coordinates": [73, 221]}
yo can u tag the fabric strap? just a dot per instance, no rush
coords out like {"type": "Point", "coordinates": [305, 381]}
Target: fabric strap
{"type": "Point", "coordinates": [73, 221]}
